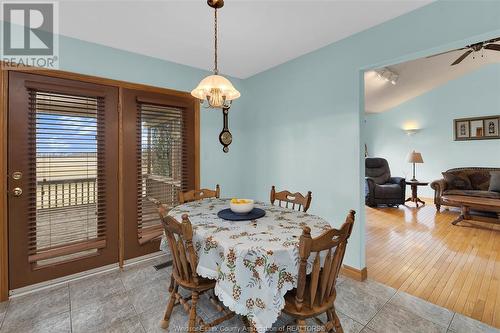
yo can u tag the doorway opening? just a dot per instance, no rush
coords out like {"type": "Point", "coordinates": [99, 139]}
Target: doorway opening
{"type": "Point", "coordinates": [431, 133]}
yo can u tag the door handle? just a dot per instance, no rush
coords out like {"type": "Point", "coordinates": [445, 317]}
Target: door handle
{"type": "Point", "coordinates": [17, 192]}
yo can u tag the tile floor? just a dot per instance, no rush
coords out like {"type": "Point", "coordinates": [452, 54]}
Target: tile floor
{"type": "Point", "coordinates": [134, 300]}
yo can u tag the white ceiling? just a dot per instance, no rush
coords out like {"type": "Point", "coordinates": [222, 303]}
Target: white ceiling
{"type": "Point", "coordinates": [254, 35]}
{"type": "Point", "coordinates": [419, 76]}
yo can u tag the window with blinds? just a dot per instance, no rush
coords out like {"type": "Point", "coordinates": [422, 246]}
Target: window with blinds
{"type": "Point", "coordinates": [161, 164]}
{"type": "Point", "coordinates": [67, 220]}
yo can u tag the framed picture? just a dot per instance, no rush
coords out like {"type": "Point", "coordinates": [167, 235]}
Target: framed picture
{"type": "Point", "coordinates": [491, 127]}
{"type": "Point", "coordinates": [477, 128]}
{"type": "Point", "coordinates": [462, 130]}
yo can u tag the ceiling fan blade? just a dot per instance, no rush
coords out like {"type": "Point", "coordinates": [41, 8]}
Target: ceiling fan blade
{"type": "Point", "coordinates": [494, 47]}
{"type": "Point", "coordinates": [462, 57]}
{"type": "Point", "coordinates": [438, 54]}
{"type": "Point", "coordinates": [494, 40]}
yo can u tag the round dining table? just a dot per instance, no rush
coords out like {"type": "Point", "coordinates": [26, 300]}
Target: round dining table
{"type": "Point", "coordinates": [254, 262]}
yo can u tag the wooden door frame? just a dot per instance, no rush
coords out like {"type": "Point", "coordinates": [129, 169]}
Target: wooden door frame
{"type": "Point", "coordinates": [4, 73]}
{"type": "Point", "coordinates": [4, 245]}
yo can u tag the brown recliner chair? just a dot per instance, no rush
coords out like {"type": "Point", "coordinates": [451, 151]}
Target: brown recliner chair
{"type": "Point", "coordinates": [380, 187]}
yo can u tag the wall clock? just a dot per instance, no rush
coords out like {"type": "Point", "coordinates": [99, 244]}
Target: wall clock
{"type": "Point", "coordinates": [225, 137]}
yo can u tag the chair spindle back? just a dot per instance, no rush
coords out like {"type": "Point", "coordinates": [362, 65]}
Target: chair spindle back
{"type": "Point", "coordinates": [291, 200]}
{"type": "Point", "coordinates": [320, 285]}
{"type": "Point", "coordinates": [194, 195]}
{"type": "Point", "coordinates": [180, 240]}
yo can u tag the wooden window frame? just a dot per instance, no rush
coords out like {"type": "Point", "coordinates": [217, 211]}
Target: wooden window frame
{"type": "Point", "coordinates": [121, 85]}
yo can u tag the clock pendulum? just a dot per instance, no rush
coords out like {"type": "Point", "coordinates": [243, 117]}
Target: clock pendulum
{"type": "Point", "coordinates": [225, 137]}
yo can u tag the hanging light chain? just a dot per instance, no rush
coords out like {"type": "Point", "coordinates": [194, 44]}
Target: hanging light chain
{"type": "Point", "coordinates": [216, 69]}
{"type": "Point", "coordinates": [215, 91]}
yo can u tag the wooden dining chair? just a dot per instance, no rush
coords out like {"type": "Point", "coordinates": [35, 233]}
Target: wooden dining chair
{"type": "Point", "coordinates": [185, 261]}
{"type": "Point", "coordinates": [293, 199]}
{"type": "Point", "coordinates": [194, 195]}
{"type": "Point", "coordinates": [315, 293]}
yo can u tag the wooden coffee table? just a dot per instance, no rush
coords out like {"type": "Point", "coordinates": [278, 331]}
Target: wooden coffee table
{"type": "Point", "coordinates": [467, 203]}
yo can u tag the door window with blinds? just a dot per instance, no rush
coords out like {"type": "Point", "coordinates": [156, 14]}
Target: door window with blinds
{"type": "Point", "coordinates": [63, 167]}
{"type": "Point", "coordinates": [159, 158]}
{"type": "Point", "coordinates": [68, 131]}
{"type": "Point", "coordinates": [164, 131]}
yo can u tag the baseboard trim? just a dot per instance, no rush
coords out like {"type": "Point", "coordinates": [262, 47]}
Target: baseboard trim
{"type": "Point", "coordinates": [354, 273]}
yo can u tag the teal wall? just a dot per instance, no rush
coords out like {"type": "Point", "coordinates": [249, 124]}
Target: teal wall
{"type": "Point", "coordinates": [216, 167]}
{"type": "Point", "coordinates": [306, 122]}
{"type": "Point", "coordinates": [476, 94]}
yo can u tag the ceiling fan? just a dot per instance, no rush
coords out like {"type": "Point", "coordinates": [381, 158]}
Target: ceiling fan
{"type": "Point", "coordinates": [486, 45]}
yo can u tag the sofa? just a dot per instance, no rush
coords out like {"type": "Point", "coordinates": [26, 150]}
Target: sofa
{"type": "Point", "coordinates": [473, 181]}
{"type": "Point", "coordinates": [380, 187]}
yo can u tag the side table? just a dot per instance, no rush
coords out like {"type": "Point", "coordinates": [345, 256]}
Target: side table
{"type": "Point", "coordinates": [414, 187]}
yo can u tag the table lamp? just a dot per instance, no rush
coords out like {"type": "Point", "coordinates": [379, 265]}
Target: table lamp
{"type": "Point", "coordinates": [414, 157]}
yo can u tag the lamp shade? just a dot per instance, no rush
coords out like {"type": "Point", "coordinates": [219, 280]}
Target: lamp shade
{"type": "Point", "coordinates": [414, 157]}
{"type": "Point", "coordinates": [218, 84]}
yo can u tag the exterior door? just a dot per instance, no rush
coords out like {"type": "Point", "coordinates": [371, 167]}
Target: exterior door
{"type": "Point", "coordinates": [62, 179]}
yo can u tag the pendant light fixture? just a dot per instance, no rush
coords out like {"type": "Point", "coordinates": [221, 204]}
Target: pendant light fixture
{"type": "Point", "coordinates": [215, 91]}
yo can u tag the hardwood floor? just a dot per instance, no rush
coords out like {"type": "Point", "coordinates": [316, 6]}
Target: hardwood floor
{"type": "Point", "coordinates": [420, 252]}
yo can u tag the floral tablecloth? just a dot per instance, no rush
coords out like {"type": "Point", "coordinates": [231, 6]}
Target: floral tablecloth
{"type": "Point", "coordinates": [254, 262]}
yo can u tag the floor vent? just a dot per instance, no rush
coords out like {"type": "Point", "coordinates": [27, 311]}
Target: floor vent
{"type": "Point", "coordinates": [163, 265]}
